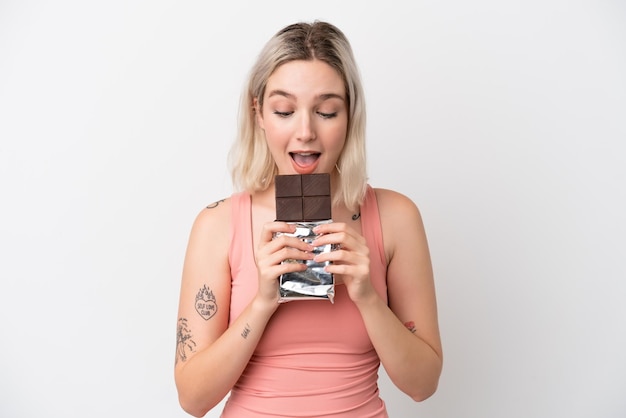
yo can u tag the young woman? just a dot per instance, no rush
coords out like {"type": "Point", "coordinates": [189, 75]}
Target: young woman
{"type": "Point", "coordinates": [302, 113]}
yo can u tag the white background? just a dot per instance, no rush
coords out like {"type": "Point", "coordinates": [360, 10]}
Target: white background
{"type": "Point", "coordinates": [504, 121]}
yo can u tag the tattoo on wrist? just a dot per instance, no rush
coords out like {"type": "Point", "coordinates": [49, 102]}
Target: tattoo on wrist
{"type": "Point", "coordinates": [215, 204]}
{"type": "Point", "coordinates": [184, 342]}
{"type": "Point", "coordinates": [410, 326]}
{"type": "Point", "coordinates": [206, 305]}
{"type": "Point", "coordinates": [246, 331]}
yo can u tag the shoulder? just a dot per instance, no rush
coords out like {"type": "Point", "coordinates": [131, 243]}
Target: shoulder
{"type": "Point", "coordinates": [400, 218]}
{"type": "Point", "coordinates": [393, 205]}
{"type": "Point", "coordinates": [215, 212]}
{"type": "Point", "coordinates": [214, 217]}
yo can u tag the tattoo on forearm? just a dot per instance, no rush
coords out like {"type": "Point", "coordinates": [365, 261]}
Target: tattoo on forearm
{"type": "Point", "coordinates": [206, 305]}
{"type": "Point", "coordinates": [246, 331]}
{"type": "Point", "coordinates": [184, 343]}
{"type": "Point", "coordinates": [214, 204]}
{"type": "Point", "coordinates": [411, 326]}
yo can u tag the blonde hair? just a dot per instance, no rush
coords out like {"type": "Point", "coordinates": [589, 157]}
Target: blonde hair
{"type": "Point", "coordinates": [252, 166]}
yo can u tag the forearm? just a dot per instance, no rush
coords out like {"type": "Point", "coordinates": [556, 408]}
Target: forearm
{"type": "Point", "coordinates": [411, 363]}
{"type": "Point", "coordinates": [205, 378]}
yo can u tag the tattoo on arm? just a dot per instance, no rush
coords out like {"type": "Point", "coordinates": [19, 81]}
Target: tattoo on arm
{"type": "Point", "coordinates": [410, 326]}
{"type": "Point", "coordinates": [184, 343]}
{"type": "Point", "coordinates": [206, 305]}
{"type": "Point", "coordinates": [246, 331]}
{"type": "Point", "coordinates": [214, 204]}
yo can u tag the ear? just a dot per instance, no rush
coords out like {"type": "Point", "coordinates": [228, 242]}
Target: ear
{"type": "Point", "coordinates": [258, 113]}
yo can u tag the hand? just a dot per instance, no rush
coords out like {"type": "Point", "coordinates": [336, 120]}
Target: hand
{"type": "Point", "coordinates": [350, 261]}
{"type": "Point", "coordinates": [272, 252]}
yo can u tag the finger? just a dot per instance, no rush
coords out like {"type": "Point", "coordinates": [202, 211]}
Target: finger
{"type": "Point", "coordinates": [331, 227]}
{"type": "Point", "coordinates": [282, 249]}
{"type": "Point", "coordinates": [293, 242]}
{"type": "Point", "coordinates": [271, 228]}
{"type": "Point", "coordinates": [332, 238]}
{"type": "Point", "coordinates": [350, 253]}
{"type": "Point", "coordinates": [277, 270]}
{"type": "Point", "coordinates": [340, 256]}
{"type": "Point", "coordinates": [344, 239]}
{"type": "Point", "coordinates": [287, 253]}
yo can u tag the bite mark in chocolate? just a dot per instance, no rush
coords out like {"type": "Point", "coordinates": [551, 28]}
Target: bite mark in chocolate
{"type": "Point", "coordinates": [303, 197]}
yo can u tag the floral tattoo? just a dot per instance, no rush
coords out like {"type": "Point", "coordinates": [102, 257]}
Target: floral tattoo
{"type": "Point", "coordinates": [184, 343]}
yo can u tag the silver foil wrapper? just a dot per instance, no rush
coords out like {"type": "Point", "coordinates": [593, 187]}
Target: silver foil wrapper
{"type": "Point", "coordinates": [313, 283]}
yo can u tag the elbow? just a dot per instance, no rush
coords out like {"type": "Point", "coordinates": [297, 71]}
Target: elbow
{"type": "Point", "coordinates": [192, 408]}
{"type": "Point", "coordinates": [425, 388]}
{"type": "Point", "coordinates": [197, 402]}
{"type": "Point", "coordinates": [424, 393]}
{"type": "Point", "coordinates": [194, 403]}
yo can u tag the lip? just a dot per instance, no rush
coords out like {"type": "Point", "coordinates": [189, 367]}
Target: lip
{"type": "Point", "coordinates": [304, 169]}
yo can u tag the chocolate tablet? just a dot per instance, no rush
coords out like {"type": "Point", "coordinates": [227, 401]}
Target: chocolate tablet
{"type": "Point", "coordinates": [303, 197]}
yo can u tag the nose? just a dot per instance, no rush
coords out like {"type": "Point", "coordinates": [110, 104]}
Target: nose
{"type": "Point", "coordinates": [306, 128]}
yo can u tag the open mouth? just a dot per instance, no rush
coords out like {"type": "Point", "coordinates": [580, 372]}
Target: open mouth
{"type": "Point", "coordinates": [304, 159]}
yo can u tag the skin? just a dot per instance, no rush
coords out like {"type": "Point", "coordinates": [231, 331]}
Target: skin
{"type": "Point", "coordinates": [304, 111]}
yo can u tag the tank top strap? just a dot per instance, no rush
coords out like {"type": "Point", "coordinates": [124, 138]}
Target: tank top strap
{"type": "Point", "coordinates": [240, 229]}
{"type": "Point", "coordinates": [370, 224]}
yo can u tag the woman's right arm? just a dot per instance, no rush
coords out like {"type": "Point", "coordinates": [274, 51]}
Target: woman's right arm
{"type": "Point", "coordinates": [210, 354]}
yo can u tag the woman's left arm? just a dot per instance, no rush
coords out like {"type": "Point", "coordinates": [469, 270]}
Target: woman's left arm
{"type": "Point", "coordinates": [404, 331]}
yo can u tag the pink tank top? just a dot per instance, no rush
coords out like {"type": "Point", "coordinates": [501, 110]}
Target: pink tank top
{"type": "Point", "coordinates": [315, 358]}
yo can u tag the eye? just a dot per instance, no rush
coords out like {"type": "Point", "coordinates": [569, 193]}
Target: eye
{"type": "Point", "coordinates": [327, 115]}
{"type": "Point", "coordinates": [283, 114]}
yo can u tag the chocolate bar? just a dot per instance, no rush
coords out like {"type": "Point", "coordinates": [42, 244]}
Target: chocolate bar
{"type": "Point", "coordinates": [304, 200]}
{"type": "Point", "coordinates": [303, 197]}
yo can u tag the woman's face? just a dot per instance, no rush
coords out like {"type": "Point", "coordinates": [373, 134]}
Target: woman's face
{"type": "Point", "coordinates": [305, 117]}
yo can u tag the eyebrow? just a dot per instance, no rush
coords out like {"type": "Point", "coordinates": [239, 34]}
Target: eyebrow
{"type": "Point", "coordinates": [322, 97]}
